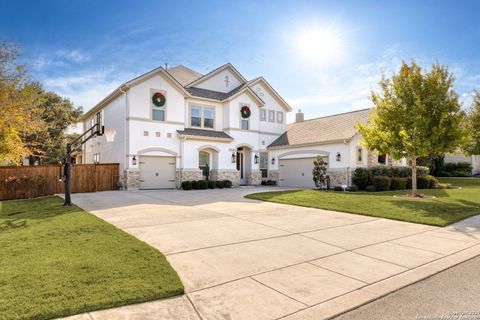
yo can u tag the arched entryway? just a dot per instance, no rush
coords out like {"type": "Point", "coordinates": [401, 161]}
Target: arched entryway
{"type": "Point", "coordinates": [207, 161]}
{"type": "Point", "coordinates": [244, 163]}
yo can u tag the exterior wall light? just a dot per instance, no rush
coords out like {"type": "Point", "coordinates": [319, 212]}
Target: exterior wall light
{"type": "Point", "coordinates": [234, 157]}
{"type": "Point", "coordinates": [339, 156]}
{"type": "Point", "coordinates": [255, 159]}
{"type": "Point", "coordinates": [273, 161]}
{"type": "Point", "coordinates": [134, 161]}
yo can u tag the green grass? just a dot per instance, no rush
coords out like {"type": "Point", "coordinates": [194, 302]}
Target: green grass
{"type": "Point", "coordinates": [450, 205]}
{"type": "Point", "coordinates": [58, 261]}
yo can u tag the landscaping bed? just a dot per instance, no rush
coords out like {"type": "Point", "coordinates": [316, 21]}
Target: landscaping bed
{"type": "Point", "coordinates": [448, 206]}
{"type": "Point", "coordinates": [57, 261]}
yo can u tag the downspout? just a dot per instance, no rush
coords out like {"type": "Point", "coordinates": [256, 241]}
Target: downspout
{"type": "Point", "coordinates": [126, 144]}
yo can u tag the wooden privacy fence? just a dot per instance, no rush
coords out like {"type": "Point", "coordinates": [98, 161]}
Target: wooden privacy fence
{"type": "Point", "coordinates": [35, 181]}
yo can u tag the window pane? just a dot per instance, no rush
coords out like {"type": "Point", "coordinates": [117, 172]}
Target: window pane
{"type": "Point", "coordinates": [279, 117]}
{"type": "Point", "coordinates": [158, 115]}
{"type": "Point", "coordinates": [196, 112]}
{"type": "Point", "coordinates": [271, 115]}
{"type": "Point", "coordinates": [208, 123]}
{"type": "Point", "coordinates": [196, 122]}
{"type": "Point", "coordinates": [263, 115]}
{"type": "Point", "coordinates": [264, 173]}
{"type": "Point", "coordinates": [244, 124]}
{"type": "Point", "coordinates": [203, 158]}
{"type": "Point", "coordinates": [208, 113]}
{"type": "Point", "coordinates": [263, 160]}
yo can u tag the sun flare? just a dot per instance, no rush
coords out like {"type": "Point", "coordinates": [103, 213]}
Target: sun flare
{"type": "Point", "coordinates": [319, 44]}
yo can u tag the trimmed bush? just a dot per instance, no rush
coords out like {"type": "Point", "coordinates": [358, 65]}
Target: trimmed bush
{"type": "Point", "coordinates": [433, 182]}
{"type": "Point", "coordinates": [212, 184]}
{"type": "Point", "coordinates": [264, 182]}
{"type": "Point", "coordinates": [370, 188]}
{"type": "Point", "coordinates": [187, 185]}
{"type": "Point", "coordinates": [353, 188]}
{"type": "Point", "coordinates": [227, 184]}
{"type": "Point", "coordinates": [337, 188]}
{"type": "Point", "coordinates": [382, 183]}
{"type": "Point", "coordinates": [361, 178]}
{"type": "Point", "coordinates": [271, 183]}
{"type": "Point", "coordinates": [423, 183]}
{"type": "Point", "coordinates": [397, 171]}
{"type": "Point", "coordinates": [195, 185]}
{"type": "Point", "coordinates": [398, 183]}
{"type": "Point", "coordinates": [220, 184]}
{"type": "Point", "coordinates": [202, 184]}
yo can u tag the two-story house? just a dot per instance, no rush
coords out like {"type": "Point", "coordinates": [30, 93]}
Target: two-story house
{"type": "Point", "coordinates": [171, 125]}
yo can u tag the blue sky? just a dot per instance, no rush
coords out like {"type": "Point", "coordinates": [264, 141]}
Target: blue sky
{"type": "Point", "coordinates": [322, 56]}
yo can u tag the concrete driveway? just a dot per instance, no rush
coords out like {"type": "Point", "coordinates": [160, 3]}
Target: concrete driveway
{"type": "Point", "coordinates": [245, 259]}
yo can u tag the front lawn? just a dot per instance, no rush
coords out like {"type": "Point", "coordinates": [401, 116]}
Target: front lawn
{"type": "Point", "coordinates": [57, 261]}
{"type": "Point", "coordinates": [450, 205]}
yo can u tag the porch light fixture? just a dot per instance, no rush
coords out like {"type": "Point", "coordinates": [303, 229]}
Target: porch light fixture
{"type": "Point", "coordinates": [255, 159]}
{"type": "Point", "coordinates": [134, 161]}
{"type": "Point", "coordinates": [234, 157]}
{"type": "Point", "coordinates": [339, 156]}
{"type": "Point", "coordinates": [273, 161]}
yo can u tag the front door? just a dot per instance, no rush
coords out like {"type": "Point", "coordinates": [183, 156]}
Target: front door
{"type": "Point", "coordinates": [241, 166]}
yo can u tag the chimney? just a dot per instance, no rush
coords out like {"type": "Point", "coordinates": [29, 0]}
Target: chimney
{"type": "Point", "coordinates": [299, 116]}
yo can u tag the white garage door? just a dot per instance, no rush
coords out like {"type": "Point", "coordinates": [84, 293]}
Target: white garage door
{"type": "Point", "coordinates": [296, 173]}
{"type": "Point", "coordinates": [157, 172]}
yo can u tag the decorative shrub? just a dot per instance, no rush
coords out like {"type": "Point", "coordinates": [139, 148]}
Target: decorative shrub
{"type": "Point", "coordinates": [220, 184]}
{"type": "Point", "coordinates": [398, 183]}
{"type": "Point", "coordinates": [382, 183]}
{"type": "Point", "coordinates": [195, 185]}
{"type": "Point", "coordinates": [264, 182]}
{"type": "Point", "coordinates": [212, 184]}
{"type": "Point", "coordinates": [361, 178]}
{"type": "Point", "coordinates": [397, 171]}
{"type": "Point", "coordinates": [337, 188]}
{"type": "Point", "coordinates": [444, 186]}
{"type": "Point", "coordinates": [227, 184]}
{"type": "Point", "coordinates": [271, 183]}
{"type": "Point", "coordinates": [353, 188]}
{"type": "Point", "coordinates": [461, 169]}
{"type": "Point", "coordinates": [370, 188]}
{"type": "Point", "coordinates": [187, 185]}
{"type": "Point", "coordinates": [433, 182]}
{"type": "Point", "coordinates": [202, 184]}
{"type": "Point", "coordinates": [423, 183]}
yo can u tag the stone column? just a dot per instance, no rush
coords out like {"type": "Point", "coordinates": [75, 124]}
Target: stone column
{"type": "Point", "coordinates": [132, 179]}
{"type": "Point", "coordinates": [254, 177]}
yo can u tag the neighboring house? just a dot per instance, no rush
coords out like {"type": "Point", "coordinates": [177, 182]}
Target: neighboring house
{"type": "Point", "coordinates": [172, 125]}
{"type": "Point", "coordinates": [458, 157]}
{"type": "Point", "coordinates": [333, 137]}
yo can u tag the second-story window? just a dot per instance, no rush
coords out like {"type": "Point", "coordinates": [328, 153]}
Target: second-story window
{"type": "Point", "coordinates": [263, 115]}
{"type": "Point", "coordinates": [202, 117]}
{"type": "Point", "coordinates": [271, 116]}
{"type": "Point", "coordinates": [279, 116]}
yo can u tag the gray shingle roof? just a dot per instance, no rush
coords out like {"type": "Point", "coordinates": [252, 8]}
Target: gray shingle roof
{"type": "Point", "coordinates": [204, 133]}
{"type": "Point", "coordinates": [321, 130]}
{"type": "Point", "coordinates": [214, 95]}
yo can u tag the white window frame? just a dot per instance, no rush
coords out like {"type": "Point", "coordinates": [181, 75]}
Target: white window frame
{"type": "Point", "coordinates": [279, 117]}
{"type": "Point", "coordinates": [154, 107]}
{"type": "Point", "coordinates": [271, 115]}
{"type": "Point", "coordinates": [359, 153]}
{"type": "Point", "coordinates": [263, 114]}
{"type": "Point", "coordinates": [202, 116]}
{"type": "Point", "coordinates": [96, 158]}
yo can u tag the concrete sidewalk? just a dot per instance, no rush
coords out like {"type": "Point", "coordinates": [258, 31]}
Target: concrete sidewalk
{"type": "Point", "coordinates": [244, 259]}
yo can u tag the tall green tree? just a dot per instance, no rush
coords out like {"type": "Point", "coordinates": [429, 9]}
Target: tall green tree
{"type": "Point", "coordinates": [416, 113]}
{"type": "Point", "coordinates": [47, 144]}
{"type": "Point", "coordinates": [472, 145]}
{"type": "Point", "coordinates": [19, 101]}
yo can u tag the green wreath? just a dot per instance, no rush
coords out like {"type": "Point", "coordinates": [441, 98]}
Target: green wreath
{"type": "Point", "coordinates": [245, 112]}
{"type": "Point", "coordinates": [158, 99]}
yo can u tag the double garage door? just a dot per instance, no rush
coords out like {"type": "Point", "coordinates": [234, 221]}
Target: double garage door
{"type": "Point", "coordinates": [296, 172]}
{"type": "Point", "coordinates": [157, 172]}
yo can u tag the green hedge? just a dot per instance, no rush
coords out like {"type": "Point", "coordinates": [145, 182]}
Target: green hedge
{"type": "Point", "coordinates": [204, 184]}
{"type": "Point", "coordinates": [382, 183]}
{"type": "Point", "coordinates": [363, 177]}
{"type": "Point", "coordinates": [461, 169]}
{"type": "Point", "coordinates": [398, 183]}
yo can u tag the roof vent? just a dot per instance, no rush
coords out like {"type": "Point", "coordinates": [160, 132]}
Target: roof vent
{"type": "Point", "coordinates": [299, 116]}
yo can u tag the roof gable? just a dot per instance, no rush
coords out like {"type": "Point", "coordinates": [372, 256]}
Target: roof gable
{"type": "Point", "coordinates": [223, 79]}
{"type": "Point", "coordinates": [183, 74]}
{"type": "Point", "coordinates": [271, 91]}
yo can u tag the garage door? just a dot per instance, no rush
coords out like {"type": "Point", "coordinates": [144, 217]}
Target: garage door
{"type": "Point", "coordinates": [157, 172]}
{"type": "Point", "coordinates": [296, 173]}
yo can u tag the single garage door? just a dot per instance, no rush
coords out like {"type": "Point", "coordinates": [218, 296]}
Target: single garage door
{"type": "Point", "coordinates": [296, 172]}
{"type": "Point", "coordinates": [157, 172]}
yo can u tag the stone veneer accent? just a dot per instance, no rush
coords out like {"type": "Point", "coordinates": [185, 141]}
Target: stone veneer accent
{"type": "Point", "coordinates": [339, 177]}
{"type": "Point", "coordinates": [188, 175]}
{"type": "Point", "coordinates": [131, 179]}
{"type": "Point", "coordinates": [254, 177]}
{"type": "Point", "coordinates": [226, 174]}
{"type": "Point", "coordinates": [372, 159]}
{"type": "Point", "coordinates": [272, 175]}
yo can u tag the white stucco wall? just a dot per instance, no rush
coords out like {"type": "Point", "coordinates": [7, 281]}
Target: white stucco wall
{"type": "Point", "coordinates": [217, 82]}
{"type": "Point", "coordinates": [114, 115]}
{"type": "Point", "coordinates": [270, 104]}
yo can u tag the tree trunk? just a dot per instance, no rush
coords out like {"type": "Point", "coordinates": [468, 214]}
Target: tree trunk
{"type": "Point", "coordinates": [414, 176]}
